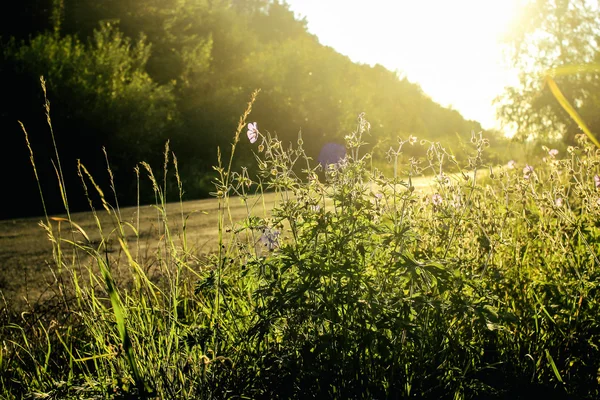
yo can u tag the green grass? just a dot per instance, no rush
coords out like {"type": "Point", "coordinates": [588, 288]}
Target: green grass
{"type": "Point", "coordinates": [482, 284]}
{"type": "Point", "coordinates": [26, 252]}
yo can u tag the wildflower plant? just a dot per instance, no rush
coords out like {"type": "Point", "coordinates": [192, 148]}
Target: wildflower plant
{"type": "Point", "coordinates": [367, 275]}
{"type": "Point", "coordinates": [351, 284]}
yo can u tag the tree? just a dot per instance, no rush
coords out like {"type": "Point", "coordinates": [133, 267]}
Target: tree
{"type": "Point", "coordinates": [548, 35]}
{"type": "Point", "coordinates": [100, 96]}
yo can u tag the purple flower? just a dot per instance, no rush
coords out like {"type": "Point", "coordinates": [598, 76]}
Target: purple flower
{"type": "Point", "coordinates": [553, 153]}
{"type": "Point", "coordinates": [270, 238]}
{"type": "Point", "coordinates": [527, 171]}
{"type": "Point", "coordinates": [252, 132]}
{"type": "Point", "coordinates": [597, 181]}
{"type": "Point", "coordinates": [436, 199]}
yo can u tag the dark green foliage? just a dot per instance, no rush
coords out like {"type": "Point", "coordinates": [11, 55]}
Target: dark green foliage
{"type": "Point", "coordinates": [393, 296]}
{"type": "Point", "coordinates": [99, 87]}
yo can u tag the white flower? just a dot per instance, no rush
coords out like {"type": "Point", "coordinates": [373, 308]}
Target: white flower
{"type": "Point", "coordinates": [511, 164]}
{"type": "Point", "coordinates": [457, 200]}
{"type": "Point", "coordinates": [559, 202]}
{"type": "Point", "coordinates": [436, 199]}
{"type": "Point", "coordinates": [443, 179]}
{"type": "Point", "coordinates": [252, 132]}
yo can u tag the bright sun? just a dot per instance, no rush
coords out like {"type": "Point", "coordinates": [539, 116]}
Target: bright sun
{"type": "Point", "coordinates": [451, 48]}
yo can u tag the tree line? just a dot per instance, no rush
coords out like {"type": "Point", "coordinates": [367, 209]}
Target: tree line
{"type": "Point", "coordinates": [128, 75]}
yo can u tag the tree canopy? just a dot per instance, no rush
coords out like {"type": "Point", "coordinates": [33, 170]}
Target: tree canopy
{"type": "Point", "coordinates": [549, 35]}
{"type": "Point", "coordinates": [128, 75]}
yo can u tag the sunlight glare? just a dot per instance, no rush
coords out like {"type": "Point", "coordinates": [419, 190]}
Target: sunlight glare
{"type": "Point", "coordinates": [451, 48]}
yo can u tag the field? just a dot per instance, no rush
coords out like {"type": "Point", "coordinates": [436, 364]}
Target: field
{"type": "Point", "coordinates": [414, 255]}
{"type": "Point", "coordinates": [480, 283]}
{"type": "Point", "coordinates": [26, 251]}
{"type": "Point", "coordinates": [27, 260]}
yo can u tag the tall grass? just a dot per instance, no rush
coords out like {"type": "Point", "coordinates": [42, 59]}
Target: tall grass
{"type": "Point", "coordinates": [354, 285]}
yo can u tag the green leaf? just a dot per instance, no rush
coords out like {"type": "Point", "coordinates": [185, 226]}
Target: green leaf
{"type": "Point", "coordinates": [553, 365]}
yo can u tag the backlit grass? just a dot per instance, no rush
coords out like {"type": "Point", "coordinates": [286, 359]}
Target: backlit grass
{"type": "Point", "coordinates": [343, 282]}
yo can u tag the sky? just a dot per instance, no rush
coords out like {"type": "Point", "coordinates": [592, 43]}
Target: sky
{"type": "Point", "coordinates": [452, 49]}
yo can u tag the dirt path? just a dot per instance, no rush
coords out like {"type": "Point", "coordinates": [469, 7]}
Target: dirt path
{"type": "Point", "coordinates": [26, 259]}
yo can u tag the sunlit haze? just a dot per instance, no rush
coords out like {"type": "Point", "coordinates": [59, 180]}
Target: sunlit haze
{"type": "Point", "coordinates": [450, 48]}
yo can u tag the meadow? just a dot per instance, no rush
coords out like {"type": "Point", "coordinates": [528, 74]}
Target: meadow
{"type": "Point", "coordinates": [26, 251]}
{"type": "Point", "coordinates": [353, 284]}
